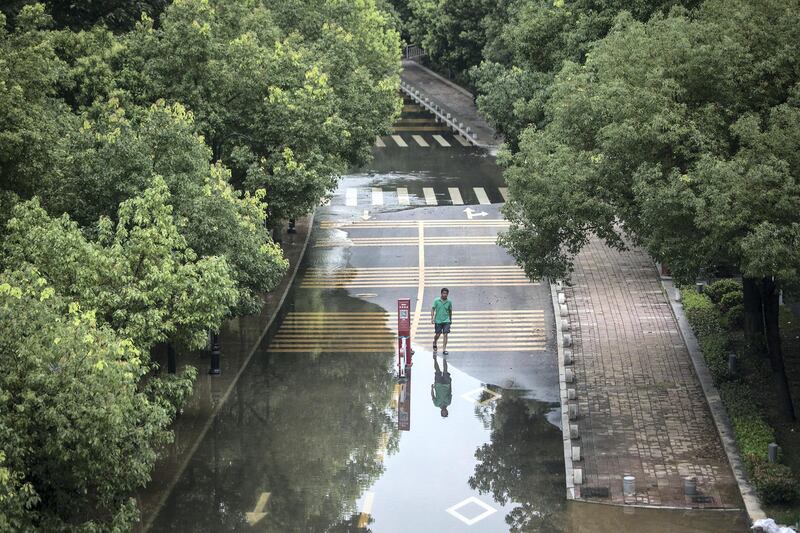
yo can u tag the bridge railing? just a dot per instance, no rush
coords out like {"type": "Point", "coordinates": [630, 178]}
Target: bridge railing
{"type": "Point", "coordinates": [413, 51]}
{"type": "Point", "coordinates": [439, 112]}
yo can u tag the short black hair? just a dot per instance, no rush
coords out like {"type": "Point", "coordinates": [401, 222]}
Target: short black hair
{"type": "Point", "coordinates": [444, 289]}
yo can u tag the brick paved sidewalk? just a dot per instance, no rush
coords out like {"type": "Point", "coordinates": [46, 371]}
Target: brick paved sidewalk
{"type": "Point", "coordinates": [641, 407]}
{"type": "Point", "coordinates": [452, 98]}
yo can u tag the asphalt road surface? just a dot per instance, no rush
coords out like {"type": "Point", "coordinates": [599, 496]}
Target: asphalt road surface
{"type": "Point", "coordinates": [321, 436]}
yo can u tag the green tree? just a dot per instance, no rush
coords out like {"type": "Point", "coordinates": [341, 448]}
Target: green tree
{"type": "Point", "coordinates": [118, 15]}
{"type": "Point", "coordinates": [285, 95]}
{"type": "Point", "coordinates": [518, 465]}
{"type": "Point", "coordinates": [139, 275]}
{"type": "Point", "coordinates": [113, 157]}
{"type": "Point", "coordinates": [669, 135]}
{"type": "Point", "coordinates": [78, 433]}
{"type": "Point", "coordinates": [31, 118]}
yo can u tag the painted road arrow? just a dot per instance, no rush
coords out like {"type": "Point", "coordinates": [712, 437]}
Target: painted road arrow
{"type": "Point", "coordinates": [366, 216]}
{"type": "Point", "coordinates": [258, 513]}
{"type": "Point", "coordinates": [470, 213]}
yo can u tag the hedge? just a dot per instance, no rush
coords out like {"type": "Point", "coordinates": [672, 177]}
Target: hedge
{"type": "Point", "coordinates": [775, 483]}
{"type": "Point", "coordinates": [706, 322]}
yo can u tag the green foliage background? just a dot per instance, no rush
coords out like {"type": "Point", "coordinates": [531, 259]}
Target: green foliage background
{"type": "Point", "coordinates": [147, 152]}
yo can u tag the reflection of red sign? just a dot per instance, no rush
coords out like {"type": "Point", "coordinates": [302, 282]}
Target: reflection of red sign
{"type": "Point", "coordinates": [404, 404]}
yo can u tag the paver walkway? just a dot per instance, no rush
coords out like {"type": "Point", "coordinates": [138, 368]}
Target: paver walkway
{"type": "Point", "coordinates": [642, 408]}
{"type": "Point", "coordinates": [454, 100]}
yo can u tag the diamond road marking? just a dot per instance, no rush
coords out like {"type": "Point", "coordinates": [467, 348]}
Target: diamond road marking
{"type": "Point", "coordinates": [473, 395]}
{"type": "Point", "coordinates": [469, 521]}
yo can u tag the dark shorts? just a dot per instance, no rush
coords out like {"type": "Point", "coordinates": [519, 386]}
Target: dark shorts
{"type": "Point", "coordinates": [443, 328]}
{"type": "Point", "coordinates": [442, 377]}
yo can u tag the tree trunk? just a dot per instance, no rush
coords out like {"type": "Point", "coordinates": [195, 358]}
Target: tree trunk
{"type": "Point", "coordinates": [753, 317]}
{"type": "Point", "coordinates": [769, 298]}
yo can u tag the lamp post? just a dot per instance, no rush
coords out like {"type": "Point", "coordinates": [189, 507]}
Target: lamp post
{"type": "Point", "coordinates": [215, 353]}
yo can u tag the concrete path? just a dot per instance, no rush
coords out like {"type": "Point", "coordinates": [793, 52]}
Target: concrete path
{"type": "Point", "coordinates": [452, 99]}
{"type": "Point", "coordinates": [641, 408]}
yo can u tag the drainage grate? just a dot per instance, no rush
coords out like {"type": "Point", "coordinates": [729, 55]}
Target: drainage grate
{"type": "Point", "coordinates": [595, 492]}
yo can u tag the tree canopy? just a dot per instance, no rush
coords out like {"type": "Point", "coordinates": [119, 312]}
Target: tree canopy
{"type": "Point", "coordinates": [147, 151]}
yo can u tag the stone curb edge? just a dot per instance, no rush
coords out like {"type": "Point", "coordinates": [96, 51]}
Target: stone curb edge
{"type": "Point", "coordinates": [718, 413]}
{"type": "Point", "coordinates": [146, 527]}
{"type": "Point", "coordinates": [562, 387]}
{"type": "Point", "coordinates": [444, 80]}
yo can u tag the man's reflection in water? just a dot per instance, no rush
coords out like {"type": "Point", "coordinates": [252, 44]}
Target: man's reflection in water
{"type": "Point", "coordinates": [442, 388]}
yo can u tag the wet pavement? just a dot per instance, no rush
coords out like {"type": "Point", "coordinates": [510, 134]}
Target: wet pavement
{"type": "Point", "coordinates": [319, 435]}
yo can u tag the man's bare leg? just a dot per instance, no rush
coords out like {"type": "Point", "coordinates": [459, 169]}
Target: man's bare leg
{"type": "Point", "coordinates": [436, 338]}
{"type": "Point", "coordinates": [444, 343]}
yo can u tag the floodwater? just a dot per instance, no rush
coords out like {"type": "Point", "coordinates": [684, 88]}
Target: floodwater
{"type": "Point", "coordinates": [321, 434]}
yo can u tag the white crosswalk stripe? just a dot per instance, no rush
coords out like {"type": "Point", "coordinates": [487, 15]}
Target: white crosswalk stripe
{"type": "Point", "coordinates": [430, 196]}
{"type": "Point", "coordinates": [399, 140]}
{"type": "Point", "coordinates": [480, 192]}
{"type": "Point", "coordinates": [420, 140]}
{"type": "Point", "coordinates": [402, 196]}
{"type": "Point", "coordinates": [462, 141]}
{"type": "Point", "coordinates": [455, 196]}
{"type": "Point", "coordinates": [379, 143]}
{"type": "Point", "coordinates": [377, 196]}
{"type": "Point", "coordinates": [439, 139]}
{"type": "Point", "coordinates": [351, 197]}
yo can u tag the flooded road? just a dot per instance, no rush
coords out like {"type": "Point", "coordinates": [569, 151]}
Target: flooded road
{"type": "Point", "coordinates": [319, 435]}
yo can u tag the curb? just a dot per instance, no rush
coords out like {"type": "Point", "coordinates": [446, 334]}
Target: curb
{"type": "Point", "coordinates": [721, 421]}
{"type": "Point", "coordinates": [562, 387]}
{"type": "Point", "coordinates": [441, 78]}
{"type": "Point", "coordinates": [167, 493]}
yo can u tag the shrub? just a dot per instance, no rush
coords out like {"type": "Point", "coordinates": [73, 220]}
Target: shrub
{"type": "Point", "coordinates": [752, 433]}
{"type": "Point", "coordinates": [774, 482]}
{"type": "Point", "coordinates": [731, 300]}
{"type": "Point", "coordinates": [720, 288]}
{"type": "Point", "coordinates": [733, 318]}
{"type": "Point", "coordinates": [701, 313]}
{"type": "Point", "coordinates": [715, 353]}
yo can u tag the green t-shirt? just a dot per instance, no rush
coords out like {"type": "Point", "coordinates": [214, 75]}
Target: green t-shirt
{"type": "Point", "coordinates": [442, 310]}
{"type": "Point", "coordinates": [443, 394]}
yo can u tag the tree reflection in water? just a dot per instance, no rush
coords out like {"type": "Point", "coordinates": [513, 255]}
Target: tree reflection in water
{"type": "Point", "coordinates": [304, 427]}
{"type": "Point", "coordinates": [523, 463]}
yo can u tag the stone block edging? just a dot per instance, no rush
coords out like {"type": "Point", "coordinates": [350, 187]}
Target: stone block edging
{"type": "Point", "coordinates": [721, 421]}
{"type": "Point", "coordinates": [562, 387]}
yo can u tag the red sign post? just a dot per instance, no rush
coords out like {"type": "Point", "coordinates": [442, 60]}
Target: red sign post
{"type": "Point", "coordinates": [404, 351]}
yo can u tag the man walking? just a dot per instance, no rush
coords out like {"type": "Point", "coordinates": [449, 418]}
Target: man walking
{"type": "Point", "coordinates": [441, 318]}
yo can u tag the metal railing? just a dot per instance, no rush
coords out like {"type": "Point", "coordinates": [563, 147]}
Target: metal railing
{"type": "Point", "coordinates": [413, 51]}
{"type": "Point", "coordinates": [441, 114]}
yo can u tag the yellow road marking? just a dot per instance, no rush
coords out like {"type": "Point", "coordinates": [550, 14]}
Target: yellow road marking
{"type": "Point", "coordinates": [421, 281]}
